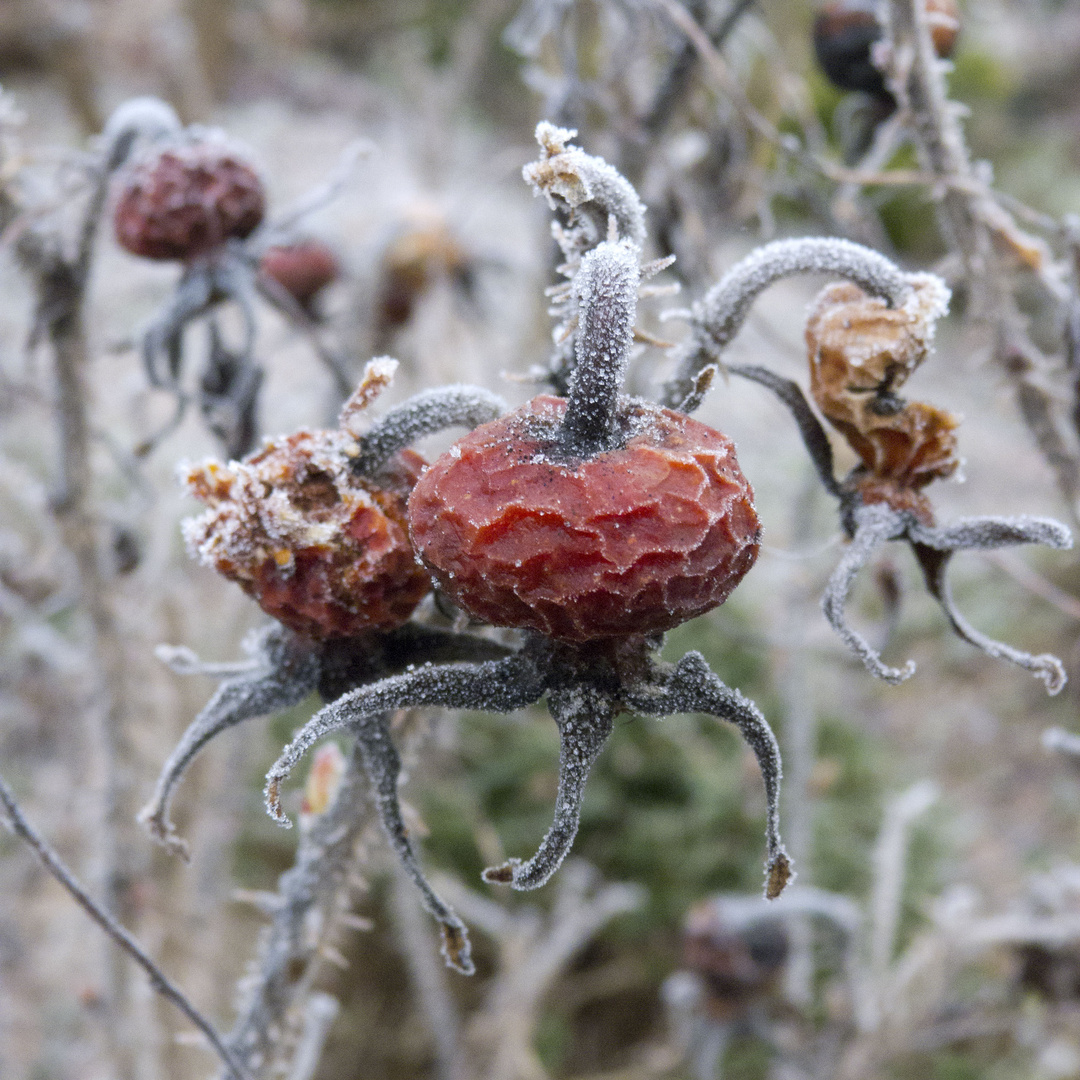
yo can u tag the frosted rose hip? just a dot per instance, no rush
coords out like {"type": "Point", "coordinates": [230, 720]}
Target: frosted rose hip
{"type": "Point", "coordinates": [321, 550]}
{"type": "Point", "coordinates": [630, 541]}
{"type": "Point", "coordinates": [186, 200]}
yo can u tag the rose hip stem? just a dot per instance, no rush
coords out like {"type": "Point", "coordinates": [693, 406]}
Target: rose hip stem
{"type": "Point", "coordinates": [607, 287]}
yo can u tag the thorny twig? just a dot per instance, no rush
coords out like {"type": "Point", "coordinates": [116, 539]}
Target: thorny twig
{"type": "Point", "coordinates": [310, 896]}
{"type": "Point", "coordinates": [160, 981]}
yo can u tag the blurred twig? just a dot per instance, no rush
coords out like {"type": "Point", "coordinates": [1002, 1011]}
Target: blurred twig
{"type": "Point", "coordinates": [159, 980]}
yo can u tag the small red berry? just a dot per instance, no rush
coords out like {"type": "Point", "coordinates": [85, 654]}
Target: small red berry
{"type": "Point", "coordinates": [630, 541]}
{"type": "Point", "coordinates": [302, 269]}
{"type": "Point", "coordinates": [323, 551]}
{"type": "Point", "coordinates": [187, 200]}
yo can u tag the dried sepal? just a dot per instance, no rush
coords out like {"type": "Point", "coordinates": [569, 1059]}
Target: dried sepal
{"type": "Point", "coordinates": [874, 525]}
{"type": "Point", "coordinates": [933, 547]}
{"type": "Point", "coordinates": [587, 189]}
{"type": "Point", "coordinates": [492, 686]}
{"type": "Point", "coordinates": [286, 670]}
{"type": "Point", "coordinates": [383, 767]}
{"type": "Point", "coordinates": [690, 686]}
{"type": "Point", "coordinates": [584, 716]}
{"type": "Point", "coordinates": [861, 352]}
{"type": "Point", "coordinates": [378, 374]}
{"type": "Point", "coordinates": [720, 314]}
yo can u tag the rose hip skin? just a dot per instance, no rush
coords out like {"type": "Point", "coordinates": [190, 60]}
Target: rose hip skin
{"type": "Point", "coordinates": [631, 541]}
{"type": "Point", "coordinates": [187, 200]}
{"type": "Point", "coordinates": [321, 550]}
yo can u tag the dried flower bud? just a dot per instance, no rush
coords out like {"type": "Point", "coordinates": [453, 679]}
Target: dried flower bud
{"type": "Point", "coordinates": [629, 541]}
{"type": "Point", "coordinates": [325, 552]}
{"type": "Point", "coordinates": [421, 254]}
{"type": "Point", "coordinates": [187, 199]}
{"type": "Point", "coordinates": [302, 269]}
{"type": "Point", "coordinates": [861, 351]}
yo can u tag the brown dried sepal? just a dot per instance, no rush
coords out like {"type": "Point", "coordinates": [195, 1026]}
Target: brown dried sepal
{"type": "Point", "coordinates": [187, 200]}
{"type": "Point", "coordinates": [321, 550]}
{"type": "Point", "coordinates": [861, 351]}
{"type": "Point", "coordinates": [943, 20]}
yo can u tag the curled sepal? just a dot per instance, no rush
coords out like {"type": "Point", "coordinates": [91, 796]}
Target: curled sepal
{"type": "Point", "coordinates": [590, 189]}
{"type": "Point", "coordinates": [286, 671]}
{"type": "Point", "coordinates": [383, 767]}
{"type": "Point", "coordinates": [584, 717]}
{"type": "Point", "coordinates": [720, 314]}
{"type": "Point", "coordinates": [424, 414]}
{"type": "Point", "coordinates": [496, 685]}
{"type": "Point", "coordinates": [875, 524]}
{"type": "Point", "coordinates": [934, 547]}
{"type": "Point", "coordinates": [690, 686]}
{"type": "Point", "coordinates": [493, 686]}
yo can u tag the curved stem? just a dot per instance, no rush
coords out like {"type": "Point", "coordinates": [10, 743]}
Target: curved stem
{"type": "Point", "coordinates": [874, 526]}
{"type": "Point", "coordinates": [287, 673]}
{"type": "Point", "coordinates": [424, 414]}
{"type": "Point", "coordinates": [810, 428]}
{"type": "Point", "coordinates": [606, 287]}
{"type": "Point", "coordinates": [690, 686]}
{"type": "Point", "coordinates": [585, 718]}
{"type": "Point", "coordinates": [719, 316]}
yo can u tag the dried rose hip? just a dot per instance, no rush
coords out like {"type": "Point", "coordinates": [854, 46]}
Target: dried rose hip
{"type": "Point", "coordinates": [186, 200]}
{"type": "Point", "coordinates": [324, 551]}
{"type": "Point", "coordinates": [861, 352]}
{"type": "Point", "coordinates": [302, 269]}
{"type": "Point", "coordinates": [630, 541]}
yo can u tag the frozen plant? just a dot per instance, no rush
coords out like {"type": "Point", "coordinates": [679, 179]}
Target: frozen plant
{"type": "Point", "coordinates": [193, 196]}
{"type": "Point", "coordinates": [865, 337]}
{"type": "Point", "coordinates": [592, 524]}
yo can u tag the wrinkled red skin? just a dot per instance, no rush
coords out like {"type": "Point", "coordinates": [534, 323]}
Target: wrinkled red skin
{"type": "Point", "coordinates": [303, 269]}
{"type": "Point", "coordinates": [187, 201]}
{"type": "Point", "coordinates": [632, 541]}
{"type": "Point", "coordinates": [365, 578]}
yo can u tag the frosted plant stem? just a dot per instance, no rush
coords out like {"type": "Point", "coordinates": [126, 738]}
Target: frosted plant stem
{"type": "Point", "coordinates": [60, 284]}
{"type": "Point", "coordinates": [971, 221]}
{"type": "Point", "coordinates": [424, 414]}
{"type": "Point", "coordinates": [720, 314]}
{"type": "Point", "coordinates": [606, 287]}
{"type": "Point", "coordinates": [160, 981]}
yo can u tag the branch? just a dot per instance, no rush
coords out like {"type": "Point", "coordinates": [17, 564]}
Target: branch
{"type": "Point", "coordinates": [158, 979]}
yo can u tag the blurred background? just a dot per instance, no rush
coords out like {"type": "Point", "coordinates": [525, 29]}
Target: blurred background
{"type": "Point", "coordinates": [934, 931]}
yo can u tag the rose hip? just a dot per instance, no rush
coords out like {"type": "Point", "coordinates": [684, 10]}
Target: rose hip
{"type": "Point", "coordinates": [186, 200]}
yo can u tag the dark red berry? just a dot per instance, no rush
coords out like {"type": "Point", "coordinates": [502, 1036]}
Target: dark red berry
{"type": "Point", "coordinates": [321, 550]}
{"type": "Point", "coordinates": [187, 200]}
{"type": "Point", "coordinates": [631, 541]}
{"type": "Point", "coordinates": [302, 269]}
{"type": "Point", "coordinates": [846, 31]}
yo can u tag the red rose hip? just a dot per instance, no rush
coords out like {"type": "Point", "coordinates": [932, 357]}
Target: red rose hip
{"type": "Point", "coordinates": [302, 269]}
{"type": "Point", "coordinates": [631, 540]}
{"type": "Point", "coordinates": [186, 200]}
{"type": "Point", "coordinates": [322, 550]}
